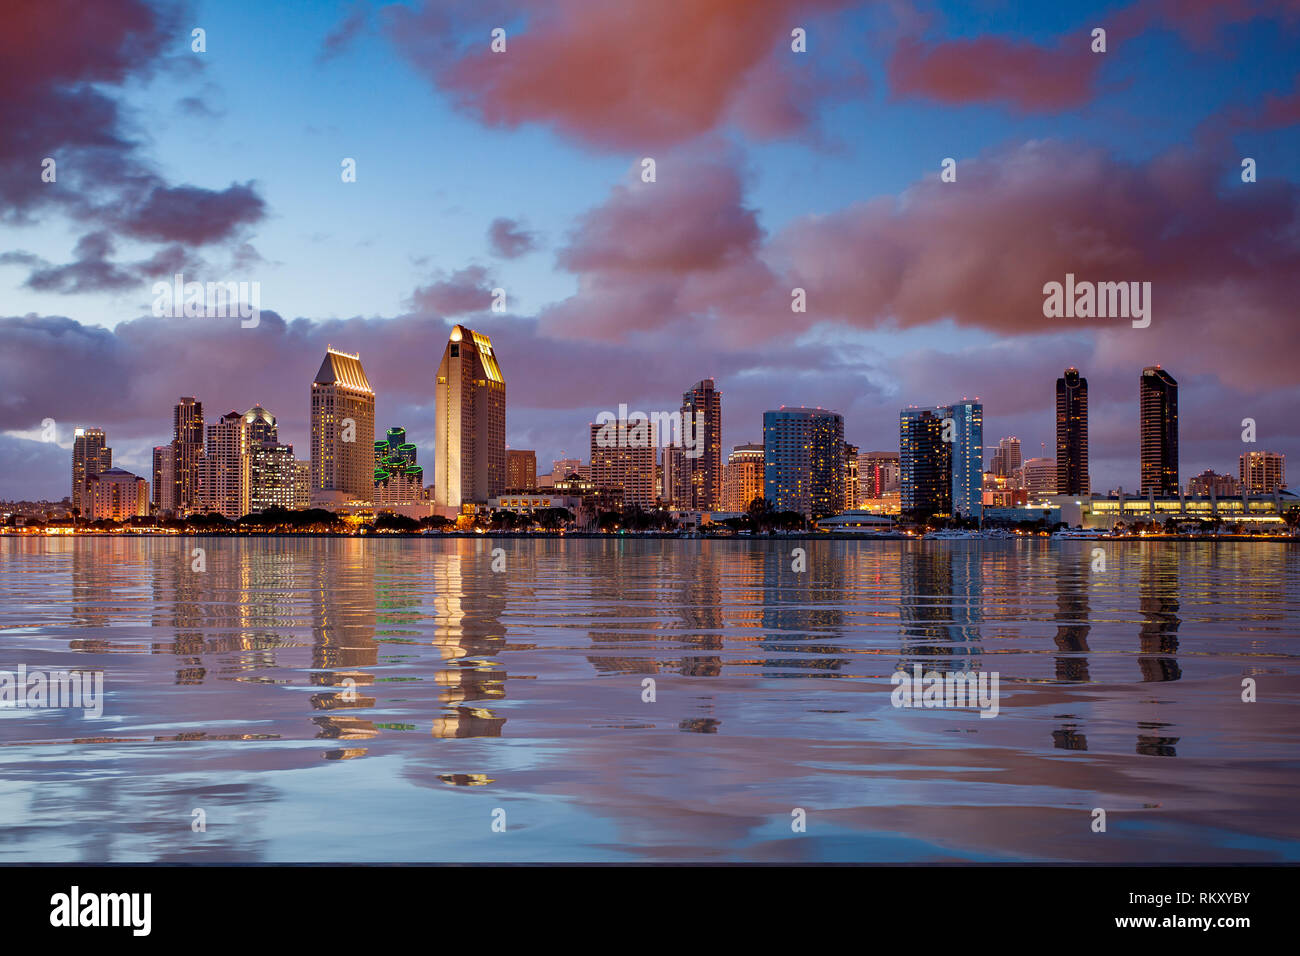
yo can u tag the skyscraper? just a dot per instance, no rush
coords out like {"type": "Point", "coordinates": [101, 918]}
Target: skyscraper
{"type": "Point", "coordinates": [878, 473]}
{"type": "Point", "coordinates": [521, 469]}
{"type": "Point", "coordinates": [225, 470]}
{"type": "Point", "coordinates": [1072, 434]}
{"type": "Point", "coordinates": [967, 458]}
{"type": "Point", "coordinates": [272, 468]}
{"type": "Point", "coordinates": [925, 463]}
{"type": "Point", "coordinates": [1039, 478]}
{"type": "Point", "coordinates": [398, 477]}
{"type": "Point", "coordinates": [342, 431]}
{"type": "Point", "coordinates": [623, 458]}
{"type": "Point", "coordinates": [743, 477]}
{"type": "Point", "coordinates": [850, 476]}
{"type": "Point", "coordinates": [470, 438]}
{"type": "Point", "coordinates": [187, 449]}
{"type": "Point", "coordinates": [1262, 472]}
{"type": "Point", "coordinates": [697, 485]}
{"type": "Point", "coordinates": [803, 461]}
{"type": "Point", "coordinates": [1158, 400]}
{"type": "Point", "coordinates": [90, 456]}
{"type": "Point", "coordinates": [1006, 461]}
{"type": "Point", "coordinates": [164, 479]}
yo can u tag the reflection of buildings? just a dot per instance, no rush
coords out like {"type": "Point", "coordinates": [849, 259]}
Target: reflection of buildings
{"type": "Point", "coordinates": [1158, 601]}
{"type": "Point", "coordinates": [940, 611]}
{"type": "Point", "coordinates": [1072, 625]}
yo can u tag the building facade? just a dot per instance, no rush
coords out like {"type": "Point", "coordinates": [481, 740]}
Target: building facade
{"type": "Point", "coordinates": [1039, 477]}
{"type": "Point", "coordinates": [521, 469]}
{"type": "Point", "coordinates": [116, 495]}
{"type": "Point", "coordinates": [879, 473]}
{"type": "Point", "coordinates": [742, 478]}
{"type": "Point", "coordinates": [1158, 404]}
{"type": "Point", "coordinates": [697, 483]}
{"type": "Point", "coordinates": [163, 488]}
{"type": "Point", "coordinates": [470, 404]}
{"type": "Point", "coordinates": [1262, 472]}
{"type": "Point", "coordinates": [342, 431]}
{"type": "Point", "coordinates": [90, 456]}
{"type": "Point", "coordinates": [803, 461]}
{"type": "Point", "coordinates": [187, 448]}
{"type": "Point", "coordinates": [1072, 434]}
{"type": "Point", "coordinates": [225, 470]}
{"type": "Point", "coordinates": [925, 463]}
{"type": "Point", "coordinates": [623, 457]}
{"type": "Point", "coordinates": [398, 476]}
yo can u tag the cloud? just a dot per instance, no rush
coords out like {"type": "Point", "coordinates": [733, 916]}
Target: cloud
{"type": "Point", "coordinates": [687, 253]}
{"type": "Point", "coordinates": [509, 240]}
{"type": "Point", "coordinates": [631, 74]}
{"type": "Point", "coordinates": [338, 40]}
{"type": "Point", "coordinates": [57, 101]}
{"type": "Point", "coordinates": [995, 69]}
{"type": "Point", "coordinates": [465, 291]}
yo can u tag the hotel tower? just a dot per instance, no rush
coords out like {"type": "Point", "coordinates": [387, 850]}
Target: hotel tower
{"type": "Point", "coordinates": [470, 437]}
{"type": "Point", "coordinates": [342, 431]}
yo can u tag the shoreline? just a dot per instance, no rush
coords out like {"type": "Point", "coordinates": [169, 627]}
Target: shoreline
{"type": "Point", "coordinates": [672, 536]}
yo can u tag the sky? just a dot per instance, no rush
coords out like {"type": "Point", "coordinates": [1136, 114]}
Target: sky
{"type": "Point", "coordinates": [775, 169]}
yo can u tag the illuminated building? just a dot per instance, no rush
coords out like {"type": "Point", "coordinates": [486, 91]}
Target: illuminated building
{"type": "Point", "coordinates": [342, 431]}
{"type": "Point", "coordinates": [878, 474]}
{"type": "Point", "coordinates": [116, 494]}
{"type": "Point", "coordinates": [1262, 472]}
{"type": "Point", "coordinates": [521, 469]}
{"type": "Point", "coordinates": [1158, 398]}
{"type": "Point", "coordinates": [925, 464]}
{"type": "Point", "coordinates": [1006, 461]}
{"type": "Point", "coordinates": [90, 456]}
{"type": "Point", "coordinates": [1072, 434]}
{"type": "Point", "coordinates": [470, 438]}
{"type": "Point", "coordinates": [803, 461]}
{"type": "Point", "coordinates": [398, 478]}
{"type": "Point", "coordinates": [1039, 478]}
{"type": "Point", "coordinates": [1207, 484]}
{"type": "Point", "coordinates": [225, 470]}
{"type": "Point", "coordinates": [851, 485]}
{"type": "Point", "coordinates": [187, 449]}
{"type": "Point", "coordinates": [696, 484]}
{"type": "Point", "coordinates": [164, 479]}
{"type": "Point", "coordinates": [623, 457]}
{"type": "Point", "coordinates": [743, 477]}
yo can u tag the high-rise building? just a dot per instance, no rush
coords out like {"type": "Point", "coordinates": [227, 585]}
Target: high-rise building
{"type": "Point", "coordinates": [90, 456]}
{"type": "Point", "coordinates": [623, 459]}
{"type": "Point", "coordinates": [1207, 484]}
{"type": "Point", "coordinates": [851, 484]}
{"type": "Point", "coordinates": [672, 475]}
{"type": "Point", "coordinates": [878, 474]}
{"type": "Point", "coordinates": [225, 470]}
{"type": "Point", "coordinates": [164, 479]}
{"type": "Point", "coordinates": [521, 469]}
{"type": "Point", "coordinates": [562, 468]}
{"type": "Point", "coordinates": [398, 478]}
{"type": "Point", "coordinates": [1006, 458]}
{"type": "Point", "coordinates": [1072, 434]}
{"type": "Point", "coordinates": [1039, 478]}
{"type": "Point", "coordinates": [342, 431]}
{"type": "Point", "coordinates": [187, 449]}
{"type": "Point", "coordinates": [1158, 399]}
{"type": "Point", "coordinates": [470, 439]}
{"type": "Point", "coordinates": [301, 485]}
{"type": "Point", "coordinates": [261, 425]}
{"type": "Point", "coordinates": [803, 461]}
{"type": "Point", "coordinates": [742, 480]}
{"type": "Point", "coordinates": [967, 458]}
{"type": "Point", "coordinates": [1262, 472]}
{"type": "Point", "coordinates": [697, 485]}
{"type": "Point", "coordinates": [925, 463]}
{"type": "Point", "coordinates": [116, 494]}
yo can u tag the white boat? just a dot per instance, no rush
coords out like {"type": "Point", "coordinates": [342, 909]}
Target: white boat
{"type": "Point", "coordinates": [951, 535]}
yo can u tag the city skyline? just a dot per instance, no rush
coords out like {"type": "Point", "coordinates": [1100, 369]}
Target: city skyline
{"type": "Point", "coordinates": [911, 281]}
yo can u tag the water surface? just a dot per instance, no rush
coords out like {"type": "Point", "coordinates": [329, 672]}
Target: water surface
{"type": "Point", "coordinates": [341, 699]}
